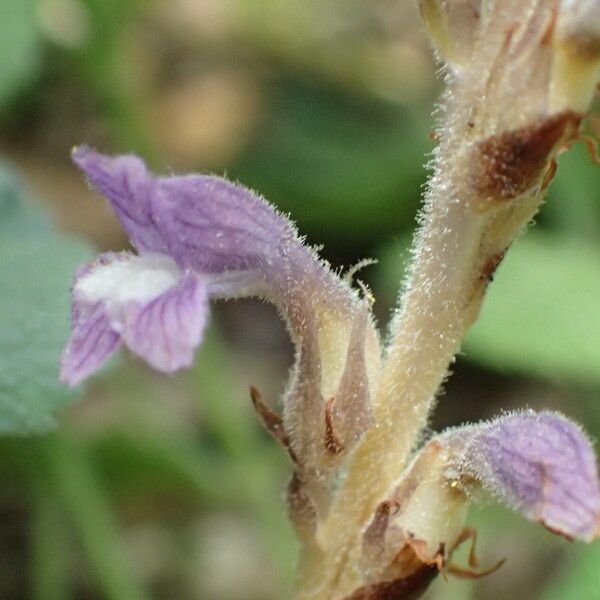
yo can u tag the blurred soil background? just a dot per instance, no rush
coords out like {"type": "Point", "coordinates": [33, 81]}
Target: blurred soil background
{"type": "Point", "coordinates": [165, 487]}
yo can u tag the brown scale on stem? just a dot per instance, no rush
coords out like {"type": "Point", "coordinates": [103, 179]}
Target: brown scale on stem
{"type": "Point", "coordinates": [549, 175]}
{"type": "Point", "coordinates": [512, 163]}
{"type": "Point", "coordinates": [423, 568]}
{"type": "Point", "coordinates": [272, 422]}
{"type": "Point", "coordinates": [419, 570]}
{"type": "Point", "coordinates": [490, 266]}
{"type": "Point", "coordinates": [404, 588]}
{"type": "Point", "coordinates": [374, 536]}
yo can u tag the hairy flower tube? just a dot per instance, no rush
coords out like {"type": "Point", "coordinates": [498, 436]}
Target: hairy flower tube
{"type": "Point", "coordinates": [378, 508]}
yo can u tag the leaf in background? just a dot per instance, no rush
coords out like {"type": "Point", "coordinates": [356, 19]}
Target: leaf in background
{"type": "Point", "coordinates": [541, 314]}
{"type": "Point", "coordinates": [579, 581]}
{"type": "Point", "coordinates": [17, 217]}
{"type": "Point", "coordinates": [574, 197]}
{"type": "Point", "coordinates": [86, 505]}
{"type": "Point", "coordinates": [451, 589]}
{"type": "Point", "coordinates": [36, 269]}
{"type": "Point", "coordinates": [102, 63]}
{"type": "Point", "coordinates": [342, 166]}
{"type": "Point", "coordinates": [50, 548]}
{"type": "Point", "coordinates": [19, 46]}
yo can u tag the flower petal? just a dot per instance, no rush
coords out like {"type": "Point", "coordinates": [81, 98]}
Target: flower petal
{"type": "Point", "coordinates": [205, 223]}
{"type": "Point", "coordinates": [542, 465]}
{"type": "Point", "coordinates": [92, 342]}
{"type": "Point", "coordinates": [145, 302]}
{"type": "Point", "coordinates": [166, 331]}
{"type": "Point", "coordinates": [128, 185]}
{"type": "Point", "coordinates": [212, 225]}
{"type": "Point", "coordinates": [216, 227]}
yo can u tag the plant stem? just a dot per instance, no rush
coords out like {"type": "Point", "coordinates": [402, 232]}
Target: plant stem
{"type": "Point", "coordinates": [462, 238]}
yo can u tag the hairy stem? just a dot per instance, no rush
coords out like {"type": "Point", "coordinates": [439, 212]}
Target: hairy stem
{"type": "Point", "coordinates": [504, 119]}
{"type": "Point", "coordinates": [462, 239]}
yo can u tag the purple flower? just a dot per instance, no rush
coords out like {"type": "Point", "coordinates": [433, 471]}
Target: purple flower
{"type": "Point", "coordinates": [146, 302]}
{"type": "Point", "coordinates": [541, 465]}
{"type": "Point", "coordinates": [199, 238]}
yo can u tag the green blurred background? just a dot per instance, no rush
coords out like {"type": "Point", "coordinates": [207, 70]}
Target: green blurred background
{"type": "Point", "coordinates": [146, 486]}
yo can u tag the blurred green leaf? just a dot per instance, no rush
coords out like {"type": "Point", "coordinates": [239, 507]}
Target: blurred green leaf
{"type": "Point", "coordinates": [85, 504]}
{"type": "Point", "coordinates": [19, 47]}
{"type": "Point", "coordinates": [235, 429]}
{"type": "Point", "coordinates": [579, 580]}
{"type": "Point", "coordinates": [103, 64]}
{"type": "Point", "coordinates": [573, 203]}
{"type": "Point", "coordinates": [451, 589]}
{"type": "Point", "coordinates": [340, 165]}
{"type": "Point", "coordinates": [255, 468]}
{"type": "Point", "coordinates": [148, 461]}
{"type": "Point", "coordinates": [541, 313]}
{"type": "Point", "coordinates": [391, 268]}
{"type": "Point", "coordinates": [36, 269]}
{"type": "Point", "coordinates": [18, 217]}
{"type": "Point", "coordinates": [50, 548]}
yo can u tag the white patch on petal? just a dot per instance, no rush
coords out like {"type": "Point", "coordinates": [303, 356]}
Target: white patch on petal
{"type": "Point", "coordinates": [133, 279]}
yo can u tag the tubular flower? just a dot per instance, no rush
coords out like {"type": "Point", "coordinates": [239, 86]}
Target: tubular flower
{"type": "Point", "coordinates": [540, 465]}
{"type": "Point", "coordinates": [199, 238]}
